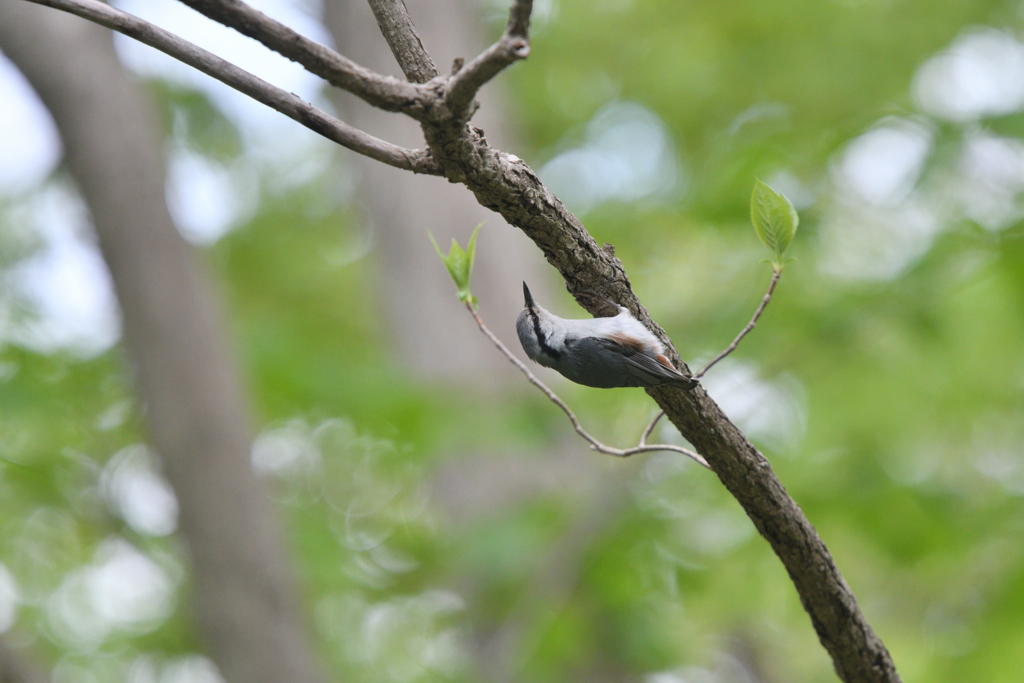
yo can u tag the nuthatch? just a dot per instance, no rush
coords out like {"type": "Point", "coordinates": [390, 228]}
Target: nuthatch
{"type": "Point", "coordinates": [600, 352]}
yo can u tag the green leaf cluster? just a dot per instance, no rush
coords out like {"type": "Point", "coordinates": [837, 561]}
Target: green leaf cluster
{"type": "Point", "coordinates": [459, 263]}
{"type": "Point", "coordinates": [775, 220]}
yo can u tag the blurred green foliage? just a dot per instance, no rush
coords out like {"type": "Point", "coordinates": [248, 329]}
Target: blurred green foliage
{"type": "Point", "coordinates": [890, 405]}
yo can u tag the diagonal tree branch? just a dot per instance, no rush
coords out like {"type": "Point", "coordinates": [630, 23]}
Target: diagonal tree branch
{"type": "Point", "coordinates": [405, 43]}
{"type": "Point", "coordinates": [507, 185]}
{"type": "Point", "coordinates": [383, 92]}
{"type": "Point", "coordinates": [292, 106]}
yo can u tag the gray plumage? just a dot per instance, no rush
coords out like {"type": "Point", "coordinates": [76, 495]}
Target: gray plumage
{"type": "Point", "coordinates": [599, 352]}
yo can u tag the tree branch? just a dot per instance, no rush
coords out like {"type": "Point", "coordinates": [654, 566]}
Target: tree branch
{"type": "Point", "coordinates": [505, 184]}
{"type": "Point", "coordinates": [383, 92]}
{"type": "Point", "coordinates": [292, 106]}
{"type": "Point", "coordinates": [405, 43]}
{"type": "Point", "coordinates": [596, 445]}
{"type": "Point", "coordinates": [519, 19]}
{"type": "Point", "coordinates": [732, 347]}
{"type": "Point", "coordinates": [513, 45]}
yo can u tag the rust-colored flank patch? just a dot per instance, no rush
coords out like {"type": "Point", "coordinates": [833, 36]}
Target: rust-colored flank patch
{"type": "Point", "coordinates": [628, 342]}
{"type": "Point", "coordinates": [664, 361]}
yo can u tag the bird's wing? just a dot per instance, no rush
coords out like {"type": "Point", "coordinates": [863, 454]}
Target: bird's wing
{"type": "Point", "coordinates": [647, 370]}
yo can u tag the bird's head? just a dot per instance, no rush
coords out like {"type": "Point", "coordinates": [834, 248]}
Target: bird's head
{"type": "Point", "coordinates": [537, 329]}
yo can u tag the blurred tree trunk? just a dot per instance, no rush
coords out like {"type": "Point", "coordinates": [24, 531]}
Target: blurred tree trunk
{"type": "Point", "coordinates": [14, 668]}
{"type": "Point", "coordinates": [243, 589]}
{"type": "Point", "coordinates": [431, 330]}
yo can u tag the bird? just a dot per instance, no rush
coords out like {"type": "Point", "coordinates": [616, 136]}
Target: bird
{"type": "Point", "coordinates": [599, 352]}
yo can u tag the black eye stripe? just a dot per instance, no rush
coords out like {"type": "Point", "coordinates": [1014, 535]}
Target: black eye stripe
{"type": "Point", "coordinates": [544, 347]}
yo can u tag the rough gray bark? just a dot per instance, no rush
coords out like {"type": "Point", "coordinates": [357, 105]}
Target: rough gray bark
{"type": "Point", "coordinates": [508, 186]}
{"type": "Point", "coordinates": [397, 27]}
{"type": "Point", "coordinates": [244, 592]}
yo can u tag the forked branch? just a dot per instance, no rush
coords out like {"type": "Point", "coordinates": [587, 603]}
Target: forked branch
{"type": "Point", "coordinates": [383, 92]}
{"type": "Point", "coordinates": [513, 45]}
{"type": "Point", "coordinates": [596, 445]}
{"type": "Point", "coordinates": [292, 106]}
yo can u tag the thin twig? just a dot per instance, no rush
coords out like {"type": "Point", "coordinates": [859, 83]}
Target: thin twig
{"type": "Point", "coordinates": [513, 45]}
{"type": "Point", "coordinates": [596, 445]}
{"type": "Point", "coordinates": [650, 427]}
{"type": "Point", "coordinates": [746, 330]}
{"type": "Point", "coordinates": [292, 106]}
{"type": "Point", "coordinates": [383, 92]}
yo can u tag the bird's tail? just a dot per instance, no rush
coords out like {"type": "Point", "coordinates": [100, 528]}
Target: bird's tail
{"type": "Point", "coordinates": [687, 383]}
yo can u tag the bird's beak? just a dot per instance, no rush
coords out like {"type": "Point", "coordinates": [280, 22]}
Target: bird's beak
{"type": "Point", "coordinates": [527, 296]}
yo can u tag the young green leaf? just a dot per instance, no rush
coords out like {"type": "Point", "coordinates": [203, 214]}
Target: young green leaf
{"type": "Point", "coordinates": [460, 264]}
{"type": "Point", "coordinates": [471, 250]}
{"type": "Point", "coordinates": [775, 220]}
